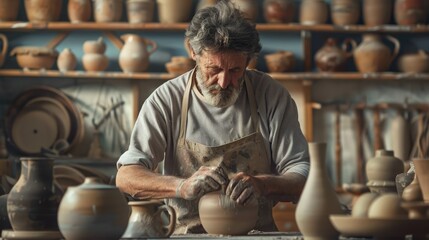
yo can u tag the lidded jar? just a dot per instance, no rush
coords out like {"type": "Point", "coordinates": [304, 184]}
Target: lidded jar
{"type": "Point", "coordinates": [381, 171]}
{"type": "Point", "coordinates": [93, 210]}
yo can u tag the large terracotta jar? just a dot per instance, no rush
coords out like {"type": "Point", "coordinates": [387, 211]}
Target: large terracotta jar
{"type": "Point", "coordinates": [93, 210]}
{"type": "Point", "coordinates": [9, 10]}
{"type": "Point", "coordinates": [372, 55]}
{"type": "Point", "coordinates": [32, 203]}
{"type": "Point", "coordinates": [173, 11]}
{"type": "Point", "coordinates": [331, 57]}
{"type": "Point", "coordinates": [345, 12]}
{"type": "Point", "coordinates": [248, 7]}
{"type": "Point", "coordinates": [318, 199]}
{"type": "Point", "coordinates": [43, 10]}
{"type": "Point", "coordinates": [313, 12]}
{"type": "Point", "coordinates": [381, 171]}
{"type": "Point", "coordinates": [410, 12]}
{"type": "Point", "coordinates": [108, 10]}
{"type": "Point", "coordinates": [79, 10]}
{"type": "Point", "coordinates": [279, 11]}
{"type": "Point", "coordinates": [377, 12]}
{"type": "Point", "coordinates": [134, 55]}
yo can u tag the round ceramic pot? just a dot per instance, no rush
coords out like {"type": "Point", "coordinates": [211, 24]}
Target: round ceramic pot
{"type": "Point", "coordinates": [281, 61]}
{"type": "Point", "coordinates": [410, 12]}
{"type": "Point", "coordinates": [93, 210]}
{"type": "Point", "coordinates": [279, 11]}
{"type": "Point", "coordinates": [43, 10]}
{"type": "Point", "coordinates": [140, 11]}
{"type": "Point", "coordinates": [313, 12]}
{"type": "Point", "coordinates": [377, 13]}
{"type": "Point", "coordinates": [79, 10]}
{"type": "Point", "coordinates": [94, 46]}
{"type": "Point", "coordinates": [107, 10]}
{"type": "Point", "coordinates": [29, 57]}
{"type": "Point", "coordinates": [414, 62]}
{"type": "Point", "coordinates": [66, 60]}
{"type": "Point", "coordinates": [9, 10]}
{"type": "Point", "coordinates": [345, 12]}
{"type": "Point", "coordinates": [95, 62]}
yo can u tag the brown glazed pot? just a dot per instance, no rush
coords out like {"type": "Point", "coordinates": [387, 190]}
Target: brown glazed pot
{"type": "Point", "coordinates": [331, 58]}
{"type": "Point", "coordinates": [220, 215]}
{"type": "Point", "coordinates": [9, 10]}
{"type": "Point", "coordinates": [410, 12]}
{"type": "Point", "coordinates": [93, 210]}
{"type": "Point", "coordinates": [279, 11]}
{"type": "Point", "coordinates": [43, 10]}
{"type": "Point", "coordinates": [79, 10]}
{"type": "Point", "coordinates": [32, 203]}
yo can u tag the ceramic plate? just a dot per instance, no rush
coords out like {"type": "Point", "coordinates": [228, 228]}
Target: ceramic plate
{"type": "Point", "coordinates": [371, 227]}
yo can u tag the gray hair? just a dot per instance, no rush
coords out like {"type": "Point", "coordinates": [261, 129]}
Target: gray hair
{"type": "Point", "coordinates": [223, 27]}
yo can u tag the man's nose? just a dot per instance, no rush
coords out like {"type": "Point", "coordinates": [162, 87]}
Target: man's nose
{"type": "Point", "coordinates": [224, 80]}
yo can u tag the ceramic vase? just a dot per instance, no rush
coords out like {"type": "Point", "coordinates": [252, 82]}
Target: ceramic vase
{"type": "Point", "coordinates": [134, 55]}
{"type": "Point", "coordinates": [377, 12]}
{"type": "Point", "coordinates": [279, 11]}
{"type": "Point", "coordinates": [345, 12]}
{"type": "Point", "coordinates": [318, 199]}
{"type": "Point", "coordinates": [146, 220]}
{"type": "Point", "coordinates": [107, 10]}
{"type": "Point", "coordinates": [32, 203]}
{"type": "Point", "coordinates": [249, 8]}
{"type": "Point", "coordinates": [79, 10]}
{"type": "Point", "coordinates": [93, 58]}
{"type": "Point", "coordinates": [220, 215]}
{"type": "Point", "coordinates": [9, 10]}
{"type": "Point", "coordinates": [173, 11]}
{"type": "Point", "coordinates": [381, 171]}
{"type": "Point", "coordinates": [43, 10]}
{"type": "Point", "coordinates": [93, 210]}
{"type": "Point", "coordinates": [401, 137]}
{"type": "Point", "coordinates": [331, 57]}
{"type": "Point", "coordinates": [410, 12]}
{"type": "Point", "coordinates": [140, 11]}
{"type": "Point", "coordinates": [66, 60]}
{"type": "Point", "coordinates": [372, 55]}
{"type": "Point", "coordinates": [414, 62]}
{"type": "Point", "coordinates": [313, 12]}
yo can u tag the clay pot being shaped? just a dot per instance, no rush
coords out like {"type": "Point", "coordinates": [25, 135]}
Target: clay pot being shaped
{"type": "Point", "coordinates": [93, 210]}
{"type": "Point", "coordinates": [107, 10]}
{"type": "Point", "coordinates": [313, 12]}
{"type": "Point", "coordinates": [66, 60]}
{"type": "Point", "coordinates": [140, 11]}
{"type": "Point", "coordinates": [376, 13]}
{"type": "Point", "coordinates": [414, 62]}
{"type": "Point", "coordinates": [146, 220]}
{"type": "Point", "coordinates": [5, 45]}
{"type": "Point", "coordinates": [43, 10]}
{"type": "Point", "coordinates": [331, 58]}
{"type": "Point", "coordinates": [410, 12]}
{"type": "Point", "coordinates": [249, 8]}
{"type": "Point", "coordinates": [94, 58]}
{"type": "Point", "coordinates": [312, 219]}
{"type": "Point", "coordinates": [9, 10]}
{"type": "Point", "coordinates": [279, 11]}
{"type": "Point", "coordinates": [381, 171]}
{"type": "Point", "coordinates": [280, 61]}
{"type": "Point", "coordinates": [345, 12]}
{"type": "Point", "coordinates": [372, 55]}
{"type": "Point", "coordinates": [220, 215]}
{"type": "Point", "coordinates": [173, 11]}
{"type": "Point", "coordinates": [32, 203]}
{"type": "Point", "coordinates": [36, 58]}
{"type": "Point", "coordinates": [79, 10]}
{"type": "Point", "coordinates": [134, 55]}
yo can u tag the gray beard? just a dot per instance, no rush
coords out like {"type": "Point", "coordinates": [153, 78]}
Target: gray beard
{"type": "Point", "coordinates": [223, 98]}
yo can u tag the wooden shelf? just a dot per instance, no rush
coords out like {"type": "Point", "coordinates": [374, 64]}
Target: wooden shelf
{"type": "Point", "coordinates": [292, 27]}
{"type": "Point", "coordinates": [297, 76]}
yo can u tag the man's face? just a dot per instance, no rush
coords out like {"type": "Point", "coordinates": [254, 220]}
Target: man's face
{"type": "Point", "coordinates": [220, 76]}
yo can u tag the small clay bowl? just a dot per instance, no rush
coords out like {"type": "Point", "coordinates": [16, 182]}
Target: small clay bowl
{"type": "Point", "coordinates": [179, 65]}
{"type": "Point", "coordinates": [29, 57]}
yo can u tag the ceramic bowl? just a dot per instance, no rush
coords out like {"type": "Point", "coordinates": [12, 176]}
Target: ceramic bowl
{"type": "Point", "coordinates": [179, 65]}
{"type": "Point", "coordinates": [35, 57]}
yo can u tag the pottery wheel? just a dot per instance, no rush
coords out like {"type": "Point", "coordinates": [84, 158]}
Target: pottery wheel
{"type": "Point", "coordinates": [10, 234]}
{"type": "Point", "coordinates": [34, 129]}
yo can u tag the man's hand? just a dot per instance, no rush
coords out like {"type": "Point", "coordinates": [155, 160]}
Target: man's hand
{"type": "Point", "coordinates": [244, 188]}
{"type": "Point", "coordinates": [206, 179]}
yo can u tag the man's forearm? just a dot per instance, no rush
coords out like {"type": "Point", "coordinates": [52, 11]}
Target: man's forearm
{"type": "Point", "coordinates": [287, 187]}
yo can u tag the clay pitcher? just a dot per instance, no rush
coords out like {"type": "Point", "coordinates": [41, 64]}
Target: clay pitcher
{"type": "Point", "coordinates": [331, 58]}
{"type": "Point", "coordinates": [79, 10]}
{"type": "Point", "coordinates": [3, 52]}
{"type": "Point", "coordinates": [410, 12]}
{"type": "Point", "coordinates": [372, 55]}
{"type": "Point", "coordinates": [377, 12]}
{"type": "Point", "coordinates": [279, 11]}
{"type": "Point", "coordinates": [318, 199]}
{"type": "Point", "coordinates": [9, 10]}
{"type": "Point", "coordinates": [134, 55]}
{"type": "Point", "coordinates": [313, 12]}
{"type": "Point", "coordinates": [43, 10]}
{"type": "Point", "coordinates": [32, 203]}
{"type": "Point", "coordinates": [146, 220]}
{"type": "Point", "coordinates": [345, 12]}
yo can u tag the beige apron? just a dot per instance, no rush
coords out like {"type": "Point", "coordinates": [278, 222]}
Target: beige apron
{"type": "Point", "coordinates": [247, 155]}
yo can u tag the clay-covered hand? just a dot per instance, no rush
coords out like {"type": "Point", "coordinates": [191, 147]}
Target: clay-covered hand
{"type": "Point", "coordinates": [206, 179]}
{"type": "Point", "coordinates": [244, 188]}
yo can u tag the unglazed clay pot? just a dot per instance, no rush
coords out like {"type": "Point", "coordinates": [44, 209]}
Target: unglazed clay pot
{"type": "Point", "coordinates": [9, 10]}
{"type": "Point", "coordinates": [372, 55]}
{"type": "Point", "coordinates": [94, 59]}
{"type": "Point", "coordinates": [381, 171]}
{"type": "Point", "coordinates": [414, 62]}
{"type": "Point", "coordinates": [43, 10]}
{"type": "Point", "coordinates": [134, 55]}
{"type": "Point", "coordinates": [66, 60]}
{"type": "Point", "coordinates": [313, 12]}
{"type": "Point", "coordinates": [146, 220]}
{"type": "Point", "coordinates": [377, 12]}
{"type": "Point", "coordinates": [93, 210]}
{"type": "Point", "coordinates": [220, 215]}
{"type": "Point", "coordinates": [280, 61]}
{"type": "Point", "coordinates": [249, 8]}
{"type": "Point", "coordinates": [318, 199]}
{"type": "Point", "coordinates": [30, 57]}
{"type": "Point", "coordinates": [279, 11]}
{"type": "Point", "coordinates": [79, 10]}
{"type": "Point", "coordinates": [32, 203]}
{"type": "Point", "coordinates": [173, 11]}
{"type": "Point", "coordinates": [345, 12]}
{"type": "Point", "coordinates": [108, 10]}
{"type": "Point", "coordinates": [140, 11]}
{"type": "Point", "coordinates": [331, 58]}
{"type": "Point", "coordinates": [410, 12]}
